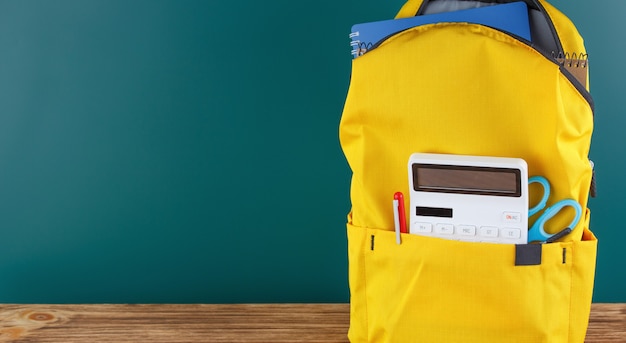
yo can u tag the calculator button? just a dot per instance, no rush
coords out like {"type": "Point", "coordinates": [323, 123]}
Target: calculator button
{"type": "Point", "coordinates": [511, 233]}
{"type": "Point", "coordinates": [467, 230]}
{"type": "Point", "coordinates": [489, 231]}
{"type": "Point", "coordinates": [423, 227]}
{"type": "Point", "coordinates": [444, 229]}
{"type": "Point", "coordinates": [512, 217]}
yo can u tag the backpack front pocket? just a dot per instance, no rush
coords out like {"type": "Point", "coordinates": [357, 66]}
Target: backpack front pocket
{"type": "Point", "coordinates": [435, 290]}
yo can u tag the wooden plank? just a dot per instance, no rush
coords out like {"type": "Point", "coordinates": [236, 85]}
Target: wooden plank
{"type": "Point", "coordinates": [174, 323]}
{"type": "Point", "coordinates": [216, 323]}
{"type": "Point", "coordinates": [607, 323]}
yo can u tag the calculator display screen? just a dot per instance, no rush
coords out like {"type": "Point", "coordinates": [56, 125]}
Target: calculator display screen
{"type": "Point", "coordinates": [466, 180]}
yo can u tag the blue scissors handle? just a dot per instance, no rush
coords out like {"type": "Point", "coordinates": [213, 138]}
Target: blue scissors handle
{"type": "Point", "coordinates": [537, 232]}
{"type": "Point", "coordinates": [546, 193]}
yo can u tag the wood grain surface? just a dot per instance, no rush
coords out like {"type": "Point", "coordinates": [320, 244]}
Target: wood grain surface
{"type": "Point", "coordinates": [216, 323]}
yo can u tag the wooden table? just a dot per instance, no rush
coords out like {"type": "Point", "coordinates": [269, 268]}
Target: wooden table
{"type": "Point", "coordinates": [216, 323]}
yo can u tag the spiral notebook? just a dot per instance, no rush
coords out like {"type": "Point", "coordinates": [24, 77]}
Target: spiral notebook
{"type": "Point", "coordinates": [576, 64]}
{"type": "Point", "coordinates": [511, 17]}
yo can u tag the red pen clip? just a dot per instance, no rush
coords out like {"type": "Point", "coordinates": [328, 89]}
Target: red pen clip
{"type": "Point", "coordinates": [401, 212]}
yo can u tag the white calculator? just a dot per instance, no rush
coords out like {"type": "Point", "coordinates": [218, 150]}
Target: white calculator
{"type": "Point", "coordinates": [469, 198]}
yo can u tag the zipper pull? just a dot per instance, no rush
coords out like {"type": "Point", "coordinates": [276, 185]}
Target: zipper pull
{"type": "Point", "coordinates": [593, 191]}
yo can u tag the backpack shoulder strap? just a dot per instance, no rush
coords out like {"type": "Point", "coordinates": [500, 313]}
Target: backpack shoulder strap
{"type": "Point", "coordinates": [409, 9]}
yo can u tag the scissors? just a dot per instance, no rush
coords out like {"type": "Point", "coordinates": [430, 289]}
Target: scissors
{"type": "Point", "coordinates": [537, 233]}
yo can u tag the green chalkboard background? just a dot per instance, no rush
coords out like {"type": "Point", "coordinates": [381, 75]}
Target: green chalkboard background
{"type": "Point", "coordinates": [187, 151]}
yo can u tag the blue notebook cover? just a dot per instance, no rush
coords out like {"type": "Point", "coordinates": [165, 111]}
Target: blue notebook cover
{"type": "Point", "coordinates": [511, 17]}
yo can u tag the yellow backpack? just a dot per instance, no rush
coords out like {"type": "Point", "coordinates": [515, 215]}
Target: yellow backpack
{"type": "Point", "coordinates": [468, 89]}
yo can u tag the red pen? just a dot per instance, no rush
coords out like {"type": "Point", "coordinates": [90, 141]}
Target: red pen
{"type": "Point", "coordinates": [401, 213]}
